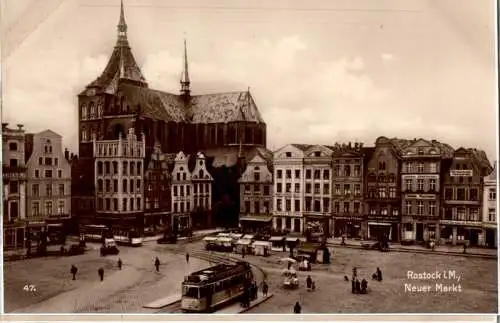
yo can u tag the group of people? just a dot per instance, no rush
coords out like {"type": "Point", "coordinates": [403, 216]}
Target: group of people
{"type": "Point", "coordinates": [361, 287]}
{"type": "Point", "coordinates": [310, 284]}
{"type": "Point", "coordinates": [250, 293]}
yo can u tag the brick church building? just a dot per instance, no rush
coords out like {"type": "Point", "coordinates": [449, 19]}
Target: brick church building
{"type": "Point", "coordinates": [219, 125]}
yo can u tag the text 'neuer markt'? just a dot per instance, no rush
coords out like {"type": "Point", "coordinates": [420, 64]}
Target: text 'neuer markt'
{"type": "Point", "coordinates": [438, 287]}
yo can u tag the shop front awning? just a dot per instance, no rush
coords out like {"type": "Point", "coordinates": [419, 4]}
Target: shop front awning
{"type": "Point", "coordinates": [380, 223]}
{"type": "Point", "coordinates": [256, 218]}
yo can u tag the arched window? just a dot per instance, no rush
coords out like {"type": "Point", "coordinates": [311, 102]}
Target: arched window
{"type": "Point", "coordinates": [83, 135]}
{"type": "Point", "coordinates": [201, 173]}
{"type": "Point", "coordinates": [99, 185]}
{"type": "Point", "coordinates": [84, 112]}
{"type": "Point", "coordinates": [132, 168]}
{"type": "Point", "coordinates": [115, 167]}
{"type": "Point", "coordinates": [99, 168]}
{"type": "Point", "coordinates": [92, 110]}
{"type": "Point", "coordinates": [107, 167]}
{"type": "Point", "coordinates": [139, 170]}
{"type": "Point", "coordinates": [108, 186]}
{"type": "Point", "coordinates": [125, 168]}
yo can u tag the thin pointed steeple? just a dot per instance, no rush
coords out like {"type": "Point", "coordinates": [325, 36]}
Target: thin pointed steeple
{"type": "Point", "coordinates": [185, 91]}
{"type": "Point", "coordinates": [122, 28]}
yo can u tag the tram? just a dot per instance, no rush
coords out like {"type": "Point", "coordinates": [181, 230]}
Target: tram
{"type": "Point", "coordinates": [214, 287]}
{"type": "Point", "coordinates": [95, 232]}
{"type": "Point", "coordinates": [127, 237]}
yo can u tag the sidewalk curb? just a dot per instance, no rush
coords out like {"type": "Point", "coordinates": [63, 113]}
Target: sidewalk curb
{"type": "Point", "coordinates": [408, 250]}
{"type": "Point", "coordinates": [255, 304]}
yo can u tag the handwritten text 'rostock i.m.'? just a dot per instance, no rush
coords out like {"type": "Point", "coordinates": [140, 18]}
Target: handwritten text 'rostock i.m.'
{"type": "Point", "coordinates": [447, 281]}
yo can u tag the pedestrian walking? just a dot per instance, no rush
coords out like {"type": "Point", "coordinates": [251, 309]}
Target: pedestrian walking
{"type": "Point", "coordinates": [157, 264]}
{"type": "Point", "coordinates": [243, 252]}
{"type": "Point", "coordinates": [265, 289]}
{"type": "Point", "coordinates": [364, 286]}
{"type": "Point", "coordinates": [100, 271]}
{"type": "Point", "coordinates": [297, 308]}
{"type": "Point", "coordinates": [465, 248]}
{"type": "Point", "coordinates": [120, 264]}
{"type": "Point", "coordinates": [343, 241]}
{"type": "Point", "coordinates": [358, 286]}
{"type": "Point", "coordinates": [73, 271]}
{"type": "Point", "coordinates": [187, 257]}
{"type": "Point", "coordinates": [309, 282]}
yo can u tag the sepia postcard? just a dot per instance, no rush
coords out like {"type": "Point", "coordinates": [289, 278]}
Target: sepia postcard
{"type": "Point", "coordinates": [260, 157]}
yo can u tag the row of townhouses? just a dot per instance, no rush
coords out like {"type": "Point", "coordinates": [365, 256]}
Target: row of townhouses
{"type": "Point", "coordinates": [406, 190]}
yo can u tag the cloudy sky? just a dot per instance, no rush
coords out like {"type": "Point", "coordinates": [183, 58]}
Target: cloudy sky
{"type": "Point", "coordinates": [320, 71]}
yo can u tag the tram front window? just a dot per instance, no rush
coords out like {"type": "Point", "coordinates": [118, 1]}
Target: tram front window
{"type": "Point", "coordinates": [190, 292]}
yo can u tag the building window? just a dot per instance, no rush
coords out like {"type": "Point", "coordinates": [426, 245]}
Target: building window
{"type": "Point", "coordinates": [35, 209]}
{"type": "Point", "coordinates": [37, 173]}
{"type": "Point", "coordinates": [326, 174]}
{"type": "Point", "coordinates": [473, 196]}
{"type": "Point", "coordinates": [247, 207]}
{"type": "Point", "coordinates": [35, 190]}
{"type": "Point", "coordinates": [492, 194]}
{"type": "Point", "coordinates": [308, 174]}
{"type": "Point", "coordinates": [13, 146]}
{"type": "Point", "coordinates": [347, 171]}
{"type": "Point", "coordinates": [356, 207]}
{"type": "Point", "coordinates": [432, 168]}
{"type": "Point", "coordinates": [316, 188]}
{"type": "Point", "coordinates": [408, 184]}
{"type": "Point", "coordinates": [420, 184]}
{"type": "Point", "coordinates": [317, 174]}
{"type": "Point", "coordinates": [131, 186]}
{"type": "Point", "coordinates": [139, 203]}
{"type": "Point", "coordinates": [297, 206]}
{"type": "Point", "coordinates": [288, 173]}
{"type": "Point", "coordinates": [14, 187]}
{"type": "Point", "coordinates": [256, 176]}
{"type": "Point", "coordinates": [247, 189]}
{"type": "Point", "coordinates": [288, 187]}
{"type": "Point", "coordinates": [266, 206]}
{"type": "Point", "coordinates": [326, 189]}
{"type": "Point", "coordinates": [347, 189]}
{"type": "Point", "coordinates": [99, 185]}
{"type": "Point", "coordinates": [357, 189]}
{"type": "Point", "coordinates": [288, 154]}
{"type": "Point", "coordinates": [461, 214]}
{"type": "Point", "coordinates": [448, 194]}
{"type": "Point", "coordinates": [408, 207]}
{"type": "Point", "coordinates": [48, 161]}
{"type": "Point", "coordinates": [60, 208]}
{"type": "Point", "coordinates": [420, 167]}
{"type": "Point", "coordinates": [381, 166]}
{"type": "Point", "coordinates": [48, 173]}
{"type": "Point", "coordinates": [279, 174]}
{"type": "Point", "coordinates": [256, 188]}
{"type": "Point", "coordinates": [395, 212]}
{"type": "Point", "coordinates": [392, 192]}
{"type": "Point", "coordinates": [308, 188]}
{"type": "Point", "coordinates": [420, 207]}
{"type": "Point", "coordinates": [383, 211]}
{"type": "Point", "coordinates": [48, 190]}
{"type": "Point", "coordinates": [124, 204]}
{"type": "Point", "coordinates": [373, 211]}
{"type": "Point", "coordinates": [357, 171]}
{"type": "Point", "coordinates": [461, 194]}
{"type": "Point", "coordinates": [346, 207]}
{"type": "Point", "coordinates": [125, 168]}
{"type": "Point", "coordinates": [297, 173]}
{"type": "Point", "coordinates": [59, 173]}
{"type": "Point", "coordinates": [317, 206]}
{"type": "Point", "coordinates": [474, 215]}
{"type": "Point", "coordinates": [13, 162]}
{"type": "Point", "coordinates": [432, 208]}
{"type": "Point", "coordinates": [308, 204]}
{"type": "Point", "coordinates": [337, 189]}
{"type": "Point", "coordinates": [337, 207]}
{"type": "Point", "coordinates": [297, 188]}
{"type": "Point", "coordinates": [48, 208]}
{"type": "Point", "coordinates": [278, 205]}
{"type": "Point", "coordinates": [40, 161]}
{"type": "Point", "coordinates": [132, 204]}
{"type": "Point", "coordinates": [381, 192]}
{"type": "Point", "coordinates": [61, 190]}
{"type": "Point", "coordinates": [279, 187]}
{"type": "Point", "coordinates": [492, 215]}
{"type": "Point", "coordinates": [288, 205]}
{"type": "Point", "coordinates": [432, 185]}
{"type": "Point", "coordinates": [338, 171]}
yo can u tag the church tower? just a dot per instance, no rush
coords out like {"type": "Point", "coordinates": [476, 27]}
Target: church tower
{"type": "Point", "coordinates": [185, 83]}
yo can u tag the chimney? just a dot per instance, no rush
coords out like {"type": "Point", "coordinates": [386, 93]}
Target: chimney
{"type": "Point", "coordinates": [66, 154]}
{"type": "Point", "coordinates": [20, 127]}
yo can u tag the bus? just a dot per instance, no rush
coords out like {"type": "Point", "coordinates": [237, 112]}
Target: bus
{"type": "Point", "coordinates": [213, 287]}
{"type": "Point", "coordinates": [127, 237]}
{"type": "Point", "coordinates": [96, 233]}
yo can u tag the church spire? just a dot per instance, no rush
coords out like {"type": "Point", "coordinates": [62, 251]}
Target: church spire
{"type": "Point", "coordinates": [185, 91]}
{"type": "Point", "coordinates": [122, 28]}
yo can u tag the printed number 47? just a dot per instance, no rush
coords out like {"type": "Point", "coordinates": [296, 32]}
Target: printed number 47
{"type": "Point", "coordinates": [29, 288]}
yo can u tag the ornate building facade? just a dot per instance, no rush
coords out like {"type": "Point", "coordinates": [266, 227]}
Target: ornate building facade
{"type": "Point", "coordinates": [462, 187]}
{"type": "Point", "coordinates": [489, 210]}
{"type": "Point", "coordinates": [382, 193]}
{"type": "Point", "coordinates": [347, 192]}
{"type": "Point", "coordinates": [119, 181]}
{"type": "Point", "coordinates": [14, 186]}
{"type": "Point", "coordinates": [421, 188]}
{"type": "Point", "coordinates": [256, 193]}
{"type": "Point", "coordinates": [49, 180]}
{"type": "Point", "coordinates": [120, 99]}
